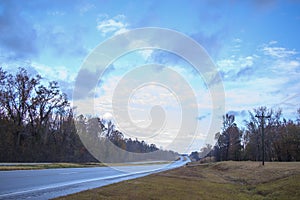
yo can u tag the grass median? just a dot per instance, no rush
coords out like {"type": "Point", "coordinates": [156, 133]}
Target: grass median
{"type": "Point", "coordinates": [32, 166]}
{"type": "Point", "coordinates": [24, 166]}
{"type": "Point", "coordinates": [222, 180]}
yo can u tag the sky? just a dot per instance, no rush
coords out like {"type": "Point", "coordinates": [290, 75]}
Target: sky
{"type": "Point", "coordinates": [254, 46]}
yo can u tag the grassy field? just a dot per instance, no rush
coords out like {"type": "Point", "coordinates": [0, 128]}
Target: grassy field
{"type": "Point", "coordinates": [223, 180]}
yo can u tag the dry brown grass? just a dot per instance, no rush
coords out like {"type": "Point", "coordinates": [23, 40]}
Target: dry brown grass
{"type": "Point", "coordinates": [223, 180]}
{"type": "Point", "coordinates": [247, 172]}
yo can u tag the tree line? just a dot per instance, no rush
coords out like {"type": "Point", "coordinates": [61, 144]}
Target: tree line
{"type": "Point", "coordinates": [37, 124]}
{"type": "Point", "coordinates": [281, 143]}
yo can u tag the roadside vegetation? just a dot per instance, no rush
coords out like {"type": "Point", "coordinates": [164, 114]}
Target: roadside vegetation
{"type": "Point", "coordinates": [220, 180]}
{"type": "Point", "coordinates": [281, 138]}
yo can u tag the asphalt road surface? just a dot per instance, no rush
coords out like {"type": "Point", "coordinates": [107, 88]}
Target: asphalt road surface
{"type": "Point", "coordinates": [51, 183]}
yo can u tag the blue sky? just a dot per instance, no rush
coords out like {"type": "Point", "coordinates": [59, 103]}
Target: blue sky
{"type": "Point", "coordinates": [255, 46]}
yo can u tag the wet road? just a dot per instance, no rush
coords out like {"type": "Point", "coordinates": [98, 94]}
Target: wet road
{"type": "Point", "coordinates": [50, 183]}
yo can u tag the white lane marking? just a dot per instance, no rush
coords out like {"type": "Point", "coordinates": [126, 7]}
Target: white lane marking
{"type": "Point", "coordinates": [65, 173]}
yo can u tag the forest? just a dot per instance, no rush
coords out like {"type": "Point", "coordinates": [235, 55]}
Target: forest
{"type": "Point", "coordinates": [37, 124]}
{"type": "Point", "coordinates": [281, 138]}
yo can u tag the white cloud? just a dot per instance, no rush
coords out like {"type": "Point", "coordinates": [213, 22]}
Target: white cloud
{"type": "Point", "coordinates": [85, 8]}
{"type": "Point", "coordinates": [235, 64]}
{"type": "Point", "coordinates": [146, 53]}
{"type": "Point", "coordinates": [115, 25]}
{"type": "Point", "coordinates": [57, 73]}
{"type": "Point", "coordinates": [288, 66]}
{"type": "Point", "coordinates": [272, 82]}
{"type": "Point", "coordinates": [107, 116]}
{"type": "Point", "coordinates": [273, 42]}
{"type": "Point", "coordinates": [56, 13]}
{"type": "Point", "coordinates": [237, 40]}
{"type": "Point", "coordinates": [276, 51]}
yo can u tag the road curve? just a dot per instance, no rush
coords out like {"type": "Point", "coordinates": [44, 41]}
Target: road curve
{"type": "Point", "coordinates": [51, 183]}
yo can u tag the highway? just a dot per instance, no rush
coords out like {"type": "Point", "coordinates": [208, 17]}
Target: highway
{"type": "Point", "coordinates": [51, 183]}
